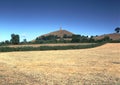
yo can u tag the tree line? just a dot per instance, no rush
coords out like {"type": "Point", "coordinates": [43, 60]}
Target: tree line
{"type": "Point", "coordinates": [71, 39]}
{"type": "Point", "coordinates": [15, 39]}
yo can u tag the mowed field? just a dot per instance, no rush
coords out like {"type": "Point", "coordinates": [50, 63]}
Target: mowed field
{"type": "Point", "coordinates": [94, 66]}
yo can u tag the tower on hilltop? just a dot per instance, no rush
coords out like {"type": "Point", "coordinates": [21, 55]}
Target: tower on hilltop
{"type": "Point", "coordinates": [60, 28]}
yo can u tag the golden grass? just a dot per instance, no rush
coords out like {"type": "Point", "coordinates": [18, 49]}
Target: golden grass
{"type": "Point", "coordinates": [95, 66]}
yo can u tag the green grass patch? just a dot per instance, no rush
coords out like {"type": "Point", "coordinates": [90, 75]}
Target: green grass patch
{"type": "Point", "coordinates": [42, 48]}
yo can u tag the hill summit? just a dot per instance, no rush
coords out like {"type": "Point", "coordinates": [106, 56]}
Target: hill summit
{"type": "Point", "coordinates": [59, 33]}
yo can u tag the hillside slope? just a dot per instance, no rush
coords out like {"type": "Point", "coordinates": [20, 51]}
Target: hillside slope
{"type": "Point", "coordinates": [113, 36]}
{"type": "Point", "coordinates": [59, 33]}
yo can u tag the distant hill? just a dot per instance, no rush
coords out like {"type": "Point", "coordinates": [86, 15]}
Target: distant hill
{"type": "Point", "coordinates": [113, 36]}
{"type": "Point", "coordinates": [66, 35]}
{"type": "Point", "coordinates": [59, 33]}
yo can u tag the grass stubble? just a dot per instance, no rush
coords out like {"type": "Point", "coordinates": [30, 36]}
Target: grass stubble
{"type": "Point", "coordinates": [94, 66]}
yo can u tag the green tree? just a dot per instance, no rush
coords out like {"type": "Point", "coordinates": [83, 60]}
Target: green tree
{"type": "Point", "coordinates": [91, 39]}
{"type": "Point", "coordinates": [46, 39]}
{"type": "Point", "coordinates": [84, 38]}
{"type": "Point", "coordinates": [15, 39]}
{"type": "Point", "coordinates": [75, 38]}
{"type": "Point", "coordinates": [24, 41]}
{"type": "Point", "coordinates": [7, 42]}
{"type": "Point", "coordinates": [117, 29]}
{"type": "Point", "coordinates": [2, 43]}
{"type": "Point", "coordinates": [106, 38]}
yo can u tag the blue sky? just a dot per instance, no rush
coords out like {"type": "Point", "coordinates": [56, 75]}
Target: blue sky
{"type": "Point", "coordinates": [32, 18]}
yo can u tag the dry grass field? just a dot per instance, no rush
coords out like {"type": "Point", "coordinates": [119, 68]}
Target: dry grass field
{"type": "Point", "coordinates": [94, 66]}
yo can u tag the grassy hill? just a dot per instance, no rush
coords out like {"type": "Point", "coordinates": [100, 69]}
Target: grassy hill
{"type": "Point", "coordinates": [59, 33]}
{"type": "Point", "coordinates": [113, 36]}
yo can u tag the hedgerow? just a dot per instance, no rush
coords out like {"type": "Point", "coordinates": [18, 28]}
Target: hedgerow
{"type": "Point", "coordinates": [42, 48]}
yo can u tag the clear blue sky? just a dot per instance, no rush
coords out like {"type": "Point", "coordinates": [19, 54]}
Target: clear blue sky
{"type": "Point", "coordinates": [32, 18]}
